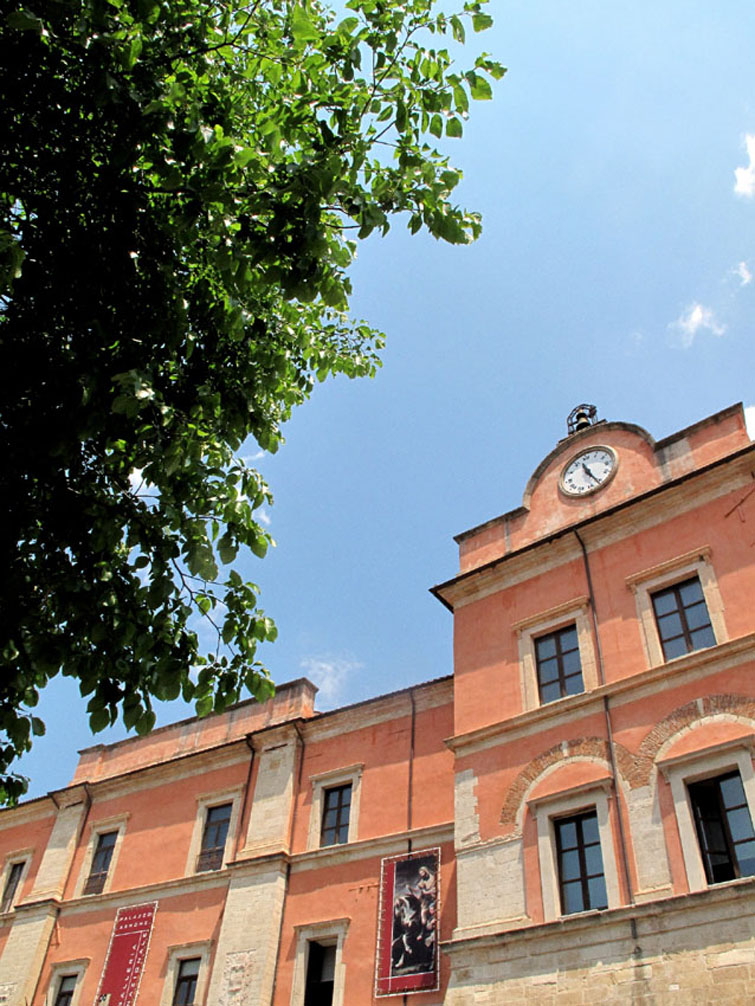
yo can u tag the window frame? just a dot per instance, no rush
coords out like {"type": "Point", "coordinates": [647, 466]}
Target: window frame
{"type": "Point", "coordinates": [94, 876]}
{"type": "Point", "coordinates": [98, 828]}
{"type": "Point", "coordinates": [553, 807]}
{"type": "Point", "coordinates": [186, 952]}
{"type": "Point", "coordinates": [574, 612]}
{"type": "Point", "coordinates": [64, 969]}
{"type": "Point", "coordinates": [561, 678]}
{"type": "Point", "coordinates": [204, 803]}
{"type": "Point", "coordinates": [212, 850]}
{"type": "Point", "coordinates": [697, 766]}
{"type": "Point", "coordinates": [584, 877]}
{"type": "Point", "coordinates": [341, 808]}
{"type": "Point", "coordinates": [332, 780]}
{"type": "Point", "coordinates": [667, 574]}
{"type": "Point", "coordinates": [13, 859]}
{"type": "Point", "coordinates": [328, 933]}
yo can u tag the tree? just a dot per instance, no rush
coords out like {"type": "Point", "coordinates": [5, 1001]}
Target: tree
{"type": "Point", "coordinates": [181, 187]}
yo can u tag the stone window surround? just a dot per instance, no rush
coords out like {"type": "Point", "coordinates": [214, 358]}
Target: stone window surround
{"type": "Point", "coordinates": [61, 970]}
{"type": "Point", "coordinates": [574, 612]}
{"type": "Point", "coordinates": [692, 767]}
{"type": "Point", "coordinates": [327, 780]}
{"type": "Point", "coordinates": [666, 574]}
{"type": "Point", "coordinates": [329, 933]}
{"type": "Point", "coordinates": [546, 809]}
{"type": "Point", "coordinates": [185, 952]}
{"type": "Point", "coordinates": [101, 827]}
{"type": "Point", "coordinates": [19, 856]}
{"type": "Point", "coordinates": [204, 802]}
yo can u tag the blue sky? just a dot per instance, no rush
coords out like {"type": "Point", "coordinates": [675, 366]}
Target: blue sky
{"type": "Point", "coordinates": [615, 171]}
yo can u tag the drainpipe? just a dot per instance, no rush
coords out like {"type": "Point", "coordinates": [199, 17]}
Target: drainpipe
{"type": "Point", "coordinates": [609, 725]}
{"type": "Point", "coordinates": [245, 801]}
{"type": "Point", "coordinates": [410, 782]}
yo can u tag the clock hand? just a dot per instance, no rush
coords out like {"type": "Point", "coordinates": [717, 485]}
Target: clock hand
{"type": "Point", "coordinates": [588, 472]}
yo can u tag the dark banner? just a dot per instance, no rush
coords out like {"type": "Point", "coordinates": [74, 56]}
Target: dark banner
{"type": "Point", "coordinates": [407, 942]}
{"type": "Point", "coordinates": [126, 954]}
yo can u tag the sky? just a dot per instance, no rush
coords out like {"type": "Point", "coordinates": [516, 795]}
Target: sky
{"type": "Point", "coordinates": [615, 172]}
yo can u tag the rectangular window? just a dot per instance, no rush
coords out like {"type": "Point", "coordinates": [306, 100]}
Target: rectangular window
{"type": "Point", "coordinates": [186, 982]}
{"type": "Point", "coordinates": [66, 988]}
{"type": "Point", "coordinates": [335, 815]}
{"type": "Point", "coordinates": [101, 862]}
{"type": "Point", "coordinates": [681, 615]}
{"type": "Point", "coordinates": [559, 668]}
{"type": "Point", "coordinates": [321, 973]}
{"type": "Point", "coordinates": [213, 837]}
{"type": "Point", "coordinates": [724, 827]}
{"type": "Point", "coordinates": [580, 863]}
{"type": "Point", "coordinates": [11, 886]}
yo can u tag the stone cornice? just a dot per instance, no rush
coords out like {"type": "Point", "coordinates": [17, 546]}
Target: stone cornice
{"type": "Point", "coordinates": [699, 663]}
{"type": "Point", "coordinates": [620, 521]}
{"type": "Point", "coordinates": [583, 929]}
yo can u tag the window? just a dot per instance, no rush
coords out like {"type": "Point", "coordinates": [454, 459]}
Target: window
{"type": "Point", "coordinates": [713, 790]}
{"type": "Point", "coordinates": [559, 669]}
{"type": "Point", "coordinates": [101, 862]}
{"type": "Point", "coordinates": [186, 982]}
{"type": "Point", "coordinates": [11, 886]}
{"type": "Point", "coordinates": [679, 606]}
{"type": "Point", "coordinates": [724, 827]}
{"type": "Point", "coordinates": [335, 815]}
{"type": "Point", "coordinates": [581, 879]}
{"type": "Point", "coordinates": [576, 849]}
{"type": "Point", "coordinates": [214, 837]}
{"type": "Point", "coordinates": [556, 653]}
{"type": "Point", "coordinates": [66, 989]}
{"type": "Point", "coordinates": [321, 972]}
{"type": "Point", "coordinates": [682, 618]}
{"type": "Point", "coordinates": [186, 972]}
{"type": "Point", "coordinates": [318, 978]}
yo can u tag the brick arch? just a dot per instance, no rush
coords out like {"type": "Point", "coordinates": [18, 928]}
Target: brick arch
{"type": "Point", "coordinates": [580, 747]}
{"type": "Point", "coordinates": [684, 716]}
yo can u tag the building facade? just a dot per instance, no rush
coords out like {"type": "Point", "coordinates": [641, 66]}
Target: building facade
{"type": "Point", "coordinates": [566, 819]}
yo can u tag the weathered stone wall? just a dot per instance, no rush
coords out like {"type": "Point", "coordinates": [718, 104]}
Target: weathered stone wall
{"type": "Point", "coordinates": [693, 950]}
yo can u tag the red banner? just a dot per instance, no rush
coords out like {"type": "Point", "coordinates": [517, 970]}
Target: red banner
{"type": "Point", "coordinates": [407, 950]}
{"type": "Point", "coordinates": [126, 954]}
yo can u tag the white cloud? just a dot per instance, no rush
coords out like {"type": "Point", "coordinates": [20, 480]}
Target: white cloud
{"type": "Point", "coordinates": [331, 675]}
{"type": "Point", "coordinates": [263, 517]}
{"type": "Point", "coordinates": [750, 421]}
{"type": "Point", "coordinates": [692, 320]}
{"type": "Point", "coordinates": [249, 459]}
{"type": "Point", "coordinates": [744, 183]}
{"type": "Point", "coordinates": [743, 271]}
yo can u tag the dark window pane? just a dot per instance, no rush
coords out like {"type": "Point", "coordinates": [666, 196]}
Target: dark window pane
{"type": "Point", "coordinates": [724, 827]}
{"type": "Point", "coordinates": [568, 639]}
{"type": "Point", "coordinates": [690, 592]}
{"type": "Point", "coordinates": [702, 638]}
{"type": "Point", "coordinates": [214, 836]}
{"type": "Point", "coordinates": [335, 817]}
{"type": "Point", "coordinates": [671, 625]}
{"type": "Point", "coordinates": [682, 619]}
{"type": "Point", "coordinates": [11, 886]}
{"type": "Point", "coordinates": [675, 648]}
{"type": "Point", "coordinates": [186, 982]}
{"type": "Point", "coordinates": [574, 685]}
{"type": "Point", "coordinates": [546, 646]}
{"type": "Point", "coordinates": [573, 898]}
{"type": "Point", "coordinates": [568, 833]}
{"type": "Point", "coordinates": [597, 888]}
{"type": "Point", "coordinates": [593, 861]}
{"type": "Point", "coordinates": [559, 669]}
{"type": "Point", "coordinates": [590, 832]}
{"type": "Point", "coordinates": [732, 791]}
{"type": "Point", "coordinates": [570, 869]}
{"type": "Point", "coordinates": [548, 671]}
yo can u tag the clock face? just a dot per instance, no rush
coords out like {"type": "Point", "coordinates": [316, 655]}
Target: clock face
{"type": "Point", "coordinates": [589, 471]}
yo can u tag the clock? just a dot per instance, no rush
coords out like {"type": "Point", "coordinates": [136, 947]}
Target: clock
{"type": "Point", "coordinates": [589, 471]}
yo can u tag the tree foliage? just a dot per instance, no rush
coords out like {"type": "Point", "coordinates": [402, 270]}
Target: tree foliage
{"type": "Point", "coordinates": [182, 185]}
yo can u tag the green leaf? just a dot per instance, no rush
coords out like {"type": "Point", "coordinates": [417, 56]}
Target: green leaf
{"type": "Point", "coordinates": [436, 125]}
{"type": "Point", "coordinates": [301, 27]}
{"type": "Point", "coordinates": [480, 21]}
{"type": "Point", "coordinates": [454, 127]}
{"type": "Point", "coordinates": [23, 20]}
